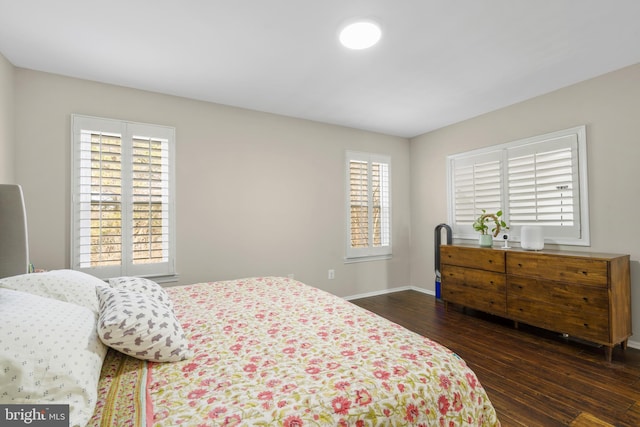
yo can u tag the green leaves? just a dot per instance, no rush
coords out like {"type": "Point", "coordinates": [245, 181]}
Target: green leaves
{"type": "Point", "coordinates": [480, 224]}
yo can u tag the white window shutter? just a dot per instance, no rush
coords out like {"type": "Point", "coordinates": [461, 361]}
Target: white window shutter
{"type": "Point", "coordinates": [540, 180]}
{"type": "Point", "coordinates": [477, 184]}
{"type": "Point", "coordinates": [123, 195]}
{"type": "Point", "coordinates": [543, 182]}
{"type": "Point", "coordinates": [359, 203]}
{"type": "Point", "coordinates": [100, 196]}
{"type": "Point", "coordinates": [368, 205]}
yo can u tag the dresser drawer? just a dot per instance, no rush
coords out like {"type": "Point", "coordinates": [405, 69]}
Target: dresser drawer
{"type": "Point", "coordinates": [570, 269]}
{"type": "Point", "coordinates": [577, 310]}
{"type": "Point", "coordinates": [484, 259]}
{"type": "Point", "coordinates": [481, 290]}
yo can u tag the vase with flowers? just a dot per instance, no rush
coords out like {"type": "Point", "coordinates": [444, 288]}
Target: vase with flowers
{"type": "Point", "coordinates": [486, 220]}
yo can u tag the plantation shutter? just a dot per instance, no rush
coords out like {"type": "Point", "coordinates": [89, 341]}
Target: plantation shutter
{"type": "Point", "coordinates": [100, 209]}
{"type": "Point", "coordinates": [477, 185]}
{"type": "Point", "coordinates": [359, 203]}
{"type": "Point", "coordinates": [369, 205]}
{"type": "Point", "coordinates": [381, 204]}
{"type": "Point", "coordinates": [122, 199]}
{"type": "Point", "coordinates": [543, 181]}
{"type": "Point", "coordinates": [150, 199]}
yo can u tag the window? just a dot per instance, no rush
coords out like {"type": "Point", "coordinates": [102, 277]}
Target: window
{"type": "Point", "coordinates": [537, 181]}
{"type": "Point", "coordinates": [368, 205]}
{"type": "Point", "coordinates": [123, 198]}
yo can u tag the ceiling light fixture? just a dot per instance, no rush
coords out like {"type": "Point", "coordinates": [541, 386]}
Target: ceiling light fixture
{"type": "Point", "coordinates": [360, 35]}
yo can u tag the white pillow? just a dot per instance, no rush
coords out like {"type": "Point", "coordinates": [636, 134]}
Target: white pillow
{"type": "Point", "coordinates": [138, 325]}
{"type": "Point", "coordinates": [144, 286]}
{"type": "Point", "coordinates": [64, 285]}
{"type": "Point", "coordinates": [49, 353]}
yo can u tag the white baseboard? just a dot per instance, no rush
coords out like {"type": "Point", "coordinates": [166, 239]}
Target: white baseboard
{"type": "Point", "coordinates": [630, 343]}
{"type": "Point", "coordinates": [389, 291]}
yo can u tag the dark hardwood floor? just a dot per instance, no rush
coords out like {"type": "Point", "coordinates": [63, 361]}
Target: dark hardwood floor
{"type": "Point", "coordinates": [532, 376]}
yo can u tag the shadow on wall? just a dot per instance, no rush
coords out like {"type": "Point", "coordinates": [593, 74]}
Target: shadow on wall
{"type": "Point", "coordinates": [634, 340]}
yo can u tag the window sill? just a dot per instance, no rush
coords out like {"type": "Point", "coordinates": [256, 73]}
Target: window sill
{"type": "Point", "coordinates": [367, 258]}
{"type": "Point", "coordinates": [172, 278]}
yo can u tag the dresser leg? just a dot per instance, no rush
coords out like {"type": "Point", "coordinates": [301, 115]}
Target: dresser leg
{"type": "Point", "coordinates": [623, 344]}
{"type": "Point", "coordinates": [607, 352]}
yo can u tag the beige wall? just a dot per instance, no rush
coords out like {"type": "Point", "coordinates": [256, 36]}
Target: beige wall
{"type": "Point", "coordinates": [260, 194]}
{"type": "Point", "coordinates": [610, 108]}
{"type": "Point", "coordinates": [7, 142]}
{"type": "Point", "coordinates": [257, 194]}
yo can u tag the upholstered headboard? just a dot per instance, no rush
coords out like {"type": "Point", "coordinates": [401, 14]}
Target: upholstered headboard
{"type": "Point", "coordinates": [14, 246]}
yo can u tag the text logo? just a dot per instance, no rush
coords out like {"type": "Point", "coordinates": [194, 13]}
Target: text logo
{"type": "Point", "coordinates": [34, 415]}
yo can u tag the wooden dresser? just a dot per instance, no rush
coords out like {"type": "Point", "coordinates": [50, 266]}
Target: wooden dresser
{"type": "Point", "coordinates": [585, 295]}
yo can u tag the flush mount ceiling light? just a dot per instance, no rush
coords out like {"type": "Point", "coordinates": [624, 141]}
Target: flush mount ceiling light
{"type": "Point", "coordinates": [360, 35]}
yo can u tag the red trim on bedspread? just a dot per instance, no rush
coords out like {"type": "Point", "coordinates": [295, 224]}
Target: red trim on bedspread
{"type": "Point", "coordinates": [148, 400]}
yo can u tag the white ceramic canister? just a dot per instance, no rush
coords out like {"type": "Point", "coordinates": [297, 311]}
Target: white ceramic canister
{"type": "Point", "coordinates": [531, 237]}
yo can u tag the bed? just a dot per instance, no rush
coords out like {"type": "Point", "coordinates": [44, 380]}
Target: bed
{"type": "Point", "coordinates": [264, 351]}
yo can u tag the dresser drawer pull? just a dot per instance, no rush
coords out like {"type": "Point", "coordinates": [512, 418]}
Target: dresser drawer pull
{"type": "Point", "coordinates": [585, 273]}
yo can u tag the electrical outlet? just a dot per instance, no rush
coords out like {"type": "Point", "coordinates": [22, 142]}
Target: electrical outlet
{"type": "Point", "coordinates": [332, 274]}
{"type": "Point", "coordinates": [290, 275]}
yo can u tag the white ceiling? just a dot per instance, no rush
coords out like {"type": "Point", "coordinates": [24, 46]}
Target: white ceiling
{"type": "Point", "coordinates": [439, 61]}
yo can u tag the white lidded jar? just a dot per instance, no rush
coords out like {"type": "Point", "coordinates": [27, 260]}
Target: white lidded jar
{"type": "Point", "coordinates": [531, 237]}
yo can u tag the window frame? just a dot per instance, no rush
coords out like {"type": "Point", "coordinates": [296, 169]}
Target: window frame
{"type": "Point", "coordinates": [161, 271]}
{"type": "Point", "coordinates": [370, 252]}
{"type": "Point", "coordinates": [502, 151]}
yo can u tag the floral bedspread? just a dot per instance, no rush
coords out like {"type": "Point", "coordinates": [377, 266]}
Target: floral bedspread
{"type": "Point", "coordinates": [275, 352]}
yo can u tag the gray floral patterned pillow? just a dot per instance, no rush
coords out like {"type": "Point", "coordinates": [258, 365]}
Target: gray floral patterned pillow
{"type": "Point", "coordinates": [144, 286]}
{"type": "Point", "coordinates": [140, 326]}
